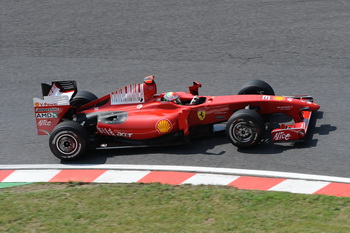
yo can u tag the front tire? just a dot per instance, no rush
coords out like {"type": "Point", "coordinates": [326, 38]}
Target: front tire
{"type": "Point", "coordinates": [68, 140]}
{"type": "Point", "coordinates": [245, 128]}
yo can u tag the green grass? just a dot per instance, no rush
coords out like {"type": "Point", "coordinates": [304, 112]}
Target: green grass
{"type": "Point", "coordinates": [7, 185]}
{"type": "Point", "coordinates": [77, 207]}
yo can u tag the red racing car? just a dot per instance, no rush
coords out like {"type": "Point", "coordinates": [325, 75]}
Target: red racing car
{"type": "Point", "coordinates": [136, 115]}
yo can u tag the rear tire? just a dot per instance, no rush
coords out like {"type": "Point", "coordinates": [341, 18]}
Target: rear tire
{"type": "Point", "coordinates": [82, 98]}
{"type": "Point", "coordinates": [68, 140]}
{"type": "Point", "coordinates": [245, 128]}
{"type": "Point", "coordinates": [256, 87]}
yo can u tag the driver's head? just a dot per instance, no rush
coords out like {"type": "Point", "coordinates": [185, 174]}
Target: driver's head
{"type": "Point", "coordinates": [172, 97]}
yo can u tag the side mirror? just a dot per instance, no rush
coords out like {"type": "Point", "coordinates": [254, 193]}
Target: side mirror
{"type": "Point", "coordinates": [194, 88]}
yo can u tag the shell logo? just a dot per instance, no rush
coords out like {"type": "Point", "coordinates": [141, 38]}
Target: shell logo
{"type": "Point", "coordinates": [164, 126]}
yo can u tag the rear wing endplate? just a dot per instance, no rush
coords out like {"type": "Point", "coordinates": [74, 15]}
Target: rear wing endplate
{"type": "Point", "coordinates": [54, 105]}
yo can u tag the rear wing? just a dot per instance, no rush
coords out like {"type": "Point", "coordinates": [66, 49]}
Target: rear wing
{"type": "Point", "coordinates": [55, 103]}
{"type": "Point", "coordinates": [59, 88]}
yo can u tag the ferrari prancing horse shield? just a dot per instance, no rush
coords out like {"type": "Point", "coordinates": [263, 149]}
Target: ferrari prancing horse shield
{"type": "Point", "coordinates": [201, 114]}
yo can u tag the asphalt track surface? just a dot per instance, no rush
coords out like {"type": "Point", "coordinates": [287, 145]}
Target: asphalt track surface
{"type": "Point", "coordinates": [298, 46]}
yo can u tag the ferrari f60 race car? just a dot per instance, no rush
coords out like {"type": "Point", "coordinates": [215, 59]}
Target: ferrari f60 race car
{"type": "Point", "coordinates": [136, 115]}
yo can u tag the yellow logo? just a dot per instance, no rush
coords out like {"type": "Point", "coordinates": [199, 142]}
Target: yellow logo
{"type": "Point", "coordinates": [201, 114]}
{"type": "Point", "coordinates": [279, 98]}
{"type": "Point", "coordinates": [164, 126]}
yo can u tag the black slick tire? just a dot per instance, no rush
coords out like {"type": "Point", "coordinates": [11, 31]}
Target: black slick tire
{"type": "Point", "coordinates": [256, 87]}
{"type": "Point", "coordinates": [82, 98]}
{"type": "Point", "coordinates": [68, 141]}
{"type": "Point", "coordinates": [245, 128]}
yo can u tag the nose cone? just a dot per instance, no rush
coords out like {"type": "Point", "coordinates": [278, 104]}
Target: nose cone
{"type": "Point", "coordinates": [314, 106]}
{"type": "Point", "coordinates": [317, 107]}
{"type": "Point", "coordinates": [311, 106]}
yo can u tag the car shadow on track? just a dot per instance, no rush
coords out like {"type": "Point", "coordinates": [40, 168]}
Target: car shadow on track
{"type": "Point", "coordinates": [205, 145]}
{"type": "Point", "coordinates": [267, 147]}
{"type": "Point", "coordinates": [197, 146]}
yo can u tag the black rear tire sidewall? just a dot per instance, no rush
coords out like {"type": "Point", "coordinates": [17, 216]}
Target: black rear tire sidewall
{"type": "Point", "coordinates": [72, 133]}
{"type": "Point", "coordinates": [256, 87]}
{"type": "Point", "coordinates": [82, 98]}
{"type": "Point", "coordinates": [254, 130]}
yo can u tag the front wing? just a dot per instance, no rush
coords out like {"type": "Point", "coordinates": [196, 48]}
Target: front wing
{"type": "Point", "coordinates": [294, 132]}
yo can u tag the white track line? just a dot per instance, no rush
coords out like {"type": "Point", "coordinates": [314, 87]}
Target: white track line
{"type": "Point", "coordinates": [113, 176]}
{"type": "Point", "coordinates": [210, 179]}
{"type": "Point", "coordinates": [299, 186]}
{"type": "Point", "coordinates": [228, 171]}
{"type": "Point", "coordinates": [31, 175]}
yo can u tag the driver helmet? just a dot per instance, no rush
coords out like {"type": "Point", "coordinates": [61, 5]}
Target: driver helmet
{"type": "Point", "coordinates": [172, 97]}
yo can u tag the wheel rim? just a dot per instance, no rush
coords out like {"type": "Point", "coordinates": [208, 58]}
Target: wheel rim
{"type": "Point", "coordinates": [67, 144]}
{"type": "Point", "coordinates": [243, 132]}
